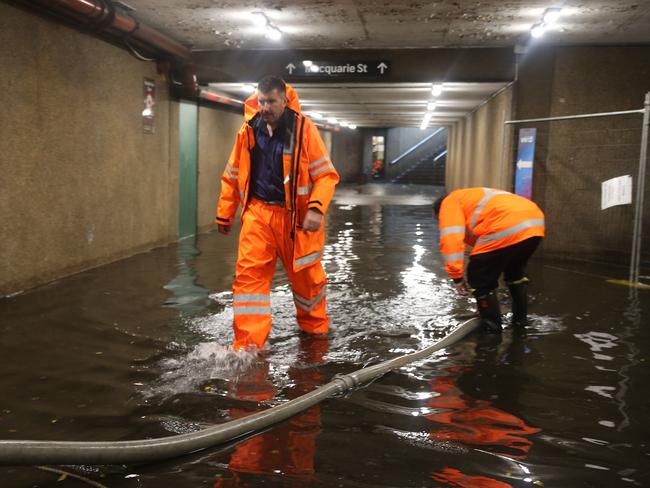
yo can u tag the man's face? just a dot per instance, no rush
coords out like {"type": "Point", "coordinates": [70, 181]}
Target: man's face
{"type": "Point", "coordinates": [272, 105]}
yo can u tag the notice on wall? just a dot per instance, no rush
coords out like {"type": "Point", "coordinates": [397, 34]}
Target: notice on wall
{"type": "Point", "coordinates": [617, 191]}
{"type": "Point", "coordinates": [525, 157]}
{"type": "Point", "coordinates": [148, 112]}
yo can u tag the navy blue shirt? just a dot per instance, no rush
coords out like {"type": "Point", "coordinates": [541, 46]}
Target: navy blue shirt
{"type": "Point", "coordinates": [266, 163]}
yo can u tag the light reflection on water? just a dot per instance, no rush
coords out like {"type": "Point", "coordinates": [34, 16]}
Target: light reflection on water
{"type": "Point", "coordinates": [562, 404]}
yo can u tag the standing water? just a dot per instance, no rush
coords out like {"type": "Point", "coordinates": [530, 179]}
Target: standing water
{"type": "Point", "coordinates": [139, 349]}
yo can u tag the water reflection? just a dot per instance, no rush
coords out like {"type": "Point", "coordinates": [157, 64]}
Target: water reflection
{"type": "Point", "coordinates": [187, 296]}
{"type": "Point", "coordinates": [288, 450]}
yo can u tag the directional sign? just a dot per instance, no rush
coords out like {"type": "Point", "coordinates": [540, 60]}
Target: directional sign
{"type": "Point", "coordinates": [347, 69]}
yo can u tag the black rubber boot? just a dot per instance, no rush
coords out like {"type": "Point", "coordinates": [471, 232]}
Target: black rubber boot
{"type": "Point", "coordinates": [488, 309]}
{"type": "Point", "coordinates": [519, 294]}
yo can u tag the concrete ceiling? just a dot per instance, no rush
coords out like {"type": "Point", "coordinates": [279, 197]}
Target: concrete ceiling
{"type": "Point", "coordinates": [349, 25]}
{"type": "Point", "coordinates": [345, 24]}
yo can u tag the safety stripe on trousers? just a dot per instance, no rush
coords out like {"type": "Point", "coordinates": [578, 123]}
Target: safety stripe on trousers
{"type": "Point", "coordinates": [251, 297]}
{"type": "Point", "coordinates": [489, 193]}
{"type": "Point", "coordinates": [526, 224]}
{"type": "Point", "coordinates": [308, 305]}
{"type": "Point", "coordinates": [454, 229]}
{"type": "Point", "coordinates": [320, 170]}
{"type": "Point", "coordinates": [454, 257]}
{"type": "Point", "coordinates": [309, 258]}
{"type": "Point", "coordinates": [252, 310]}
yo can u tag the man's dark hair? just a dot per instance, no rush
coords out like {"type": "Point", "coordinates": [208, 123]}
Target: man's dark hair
{"type": "Point", "coordinates": [437, 204]}
{"type": "Point", "coordinates": [269, 83]}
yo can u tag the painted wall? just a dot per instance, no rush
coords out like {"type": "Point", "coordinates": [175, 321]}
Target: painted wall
{"type": "Point", "coordinates": [347, 154]}
{"type": "Point", "coordinates": [217, 130]}
{"type": "Point", "coordinates": [81, 183]}
{"type": "Point", "coordinates": [475, 156]}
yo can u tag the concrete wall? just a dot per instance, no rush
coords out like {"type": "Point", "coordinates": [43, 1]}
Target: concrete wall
{"type": "Point", "coordinates": [81, 183]}
{"type": "Point", "coordinates": [574, 157]}
{"type": "Point", "coordinates": [217, 129]}
{"type": "Point", "coordinates": [475, 156]}
{"type": "Point", "coordinates": [347, 154]}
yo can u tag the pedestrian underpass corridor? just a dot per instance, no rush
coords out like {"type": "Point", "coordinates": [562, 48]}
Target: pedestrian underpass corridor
{"type": "Point", "coordinates": [140, 348]}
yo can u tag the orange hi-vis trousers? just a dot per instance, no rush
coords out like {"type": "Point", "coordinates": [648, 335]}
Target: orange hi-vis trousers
{"type": "Point", "coordinates": [265, 235]}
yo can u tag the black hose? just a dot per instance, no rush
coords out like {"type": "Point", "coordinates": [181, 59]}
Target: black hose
{"type": "Point", "coordinates": [28, 452]}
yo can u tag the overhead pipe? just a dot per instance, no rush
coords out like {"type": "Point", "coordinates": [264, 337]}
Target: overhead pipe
{"type": "Point", "coordinates": [102, 15]}
{"type": "Point", "coordinates": [27, 452]}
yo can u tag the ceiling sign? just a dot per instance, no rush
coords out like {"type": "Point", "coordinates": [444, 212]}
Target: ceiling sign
{"type": "Point", "coordinates": [348, 69]}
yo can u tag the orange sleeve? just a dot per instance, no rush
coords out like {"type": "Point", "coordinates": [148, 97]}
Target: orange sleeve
{"type": "Point", "coordinates": [452, 236]}
{"type": "Point", "coordinates": [230, 195]}
{"type": "Point", "coordinates": [322, 173]}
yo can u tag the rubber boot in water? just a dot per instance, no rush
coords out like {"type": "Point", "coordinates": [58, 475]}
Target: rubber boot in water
{"type": "Point", "coordinates": [488, 309]}
{"type": "Point", "coordinates": [519, 294]}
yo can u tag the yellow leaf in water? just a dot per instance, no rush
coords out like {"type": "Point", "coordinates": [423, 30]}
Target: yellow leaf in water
{"type": "Point", "coordinates": [99, 352]}
{"type": "Point", "coordinates": [62, 477]}
{"type": "Point", "coordinates": [54, 421]}
{"type": "Point", "coordinates": [538, 482]}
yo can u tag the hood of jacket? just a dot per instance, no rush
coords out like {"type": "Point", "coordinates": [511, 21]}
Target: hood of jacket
{"type": "Point", "coordinates": [251, 108]}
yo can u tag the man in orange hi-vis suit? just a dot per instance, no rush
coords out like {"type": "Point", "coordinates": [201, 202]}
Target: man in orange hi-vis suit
{"type": "Point", "coordinates": [280, 172]}
{"type": "Point", "coordinates": [504, 230]}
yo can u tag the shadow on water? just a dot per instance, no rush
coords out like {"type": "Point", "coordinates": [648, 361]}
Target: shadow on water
{"type": "Point", "coordinates": [140, 348]}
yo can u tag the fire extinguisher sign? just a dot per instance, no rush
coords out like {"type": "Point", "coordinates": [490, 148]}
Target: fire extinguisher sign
{"type": "Point", "coordinates": [149, 111]}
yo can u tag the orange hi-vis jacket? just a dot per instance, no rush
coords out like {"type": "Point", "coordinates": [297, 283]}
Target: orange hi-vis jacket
{"type": "Point", "coordinates": [486, 219]}
{"type": "Point", "coordinates": [309, 176]}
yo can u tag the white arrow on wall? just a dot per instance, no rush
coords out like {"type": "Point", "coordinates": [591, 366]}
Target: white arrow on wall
{"type": "Point", "coordinates": [290, 67]}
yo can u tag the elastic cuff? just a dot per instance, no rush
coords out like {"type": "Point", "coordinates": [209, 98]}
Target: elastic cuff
{"type": "Point", "coordinates": [223, 221]}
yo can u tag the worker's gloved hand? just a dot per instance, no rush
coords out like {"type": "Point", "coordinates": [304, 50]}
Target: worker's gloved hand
{"type": "Point", "coordinates": [461, 287]}
{"type": "Point", "coordinates": [312, 221]}
{"type": "Point", "coordinates": [224, 229]}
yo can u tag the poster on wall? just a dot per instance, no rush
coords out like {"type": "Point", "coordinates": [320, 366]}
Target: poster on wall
{"type": "Point", "coordinates": [525, 157]}
{"type": "Point", "coordinates": [617, 191]}
{"type": "Point", "coordinates": [149, 105]}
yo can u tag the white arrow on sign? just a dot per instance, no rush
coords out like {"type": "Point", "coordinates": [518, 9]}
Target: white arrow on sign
{"type": "Point", "coordinates": [382, 66]}
{"type": "Point", "coordinates": [290, 67]}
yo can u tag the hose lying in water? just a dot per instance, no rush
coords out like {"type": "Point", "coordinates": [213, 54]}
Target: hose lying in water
{"type": "Point", "coordinates": [148, 450]}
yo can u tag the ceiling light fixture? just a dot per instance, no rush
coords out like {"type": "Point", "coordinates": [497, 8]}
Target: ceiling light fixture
{"type": "Point", "coordinates": [431, 106]}
{"type": "Point", "coordinates": [273, 33]}
{"type": "Point", "coordinates": [316, 115]}
{"type": "Point", "coordinates": [332, 120]}
{"type": "Point", "coordinates": [343, 123]}
{"type": "Point", "coordinates": [436, 90]}
{"type": "Point", "coordinates": [352, 126]}
{"type": "Point", "coordinates": [551, 15]}
{"type": "Point", "coordinates": [259, 18]}
{"type": "Point", "coordinates": [538, 30]}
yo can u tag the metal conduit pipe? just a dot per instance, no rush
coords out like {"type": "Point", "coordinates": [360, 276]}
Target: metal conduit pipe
{"type": "Point", "coordinates": [148, 450]}
{"type": "Point", "coordinates": [102, 14]}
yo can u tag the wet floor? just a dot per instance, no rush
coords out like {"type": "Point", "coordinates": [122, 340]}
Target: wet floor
{"type": "Point", "coordinates": [138, 349]}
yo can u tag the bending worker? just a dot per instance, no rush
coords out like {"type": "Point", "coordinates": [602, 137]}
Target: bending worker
{"type": "Point", "coordinates": [281, 174]}
{"type": "Point", "coordinates": [504, 230]}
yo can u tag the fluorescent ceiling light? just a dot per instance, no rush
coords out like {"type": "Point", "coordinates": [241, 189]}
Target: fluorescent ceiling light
{"type": "Point", "coordinates": [436, 90]}
{"type": "Point", "coordinates": [248, 87]}
{"type": "Point", "coordinates": [431, 106]}
{"type": "Point", "coordinates": [259, 18]}
{"type": "Point", "coordinates": [424, 124]}
{"type": "Point", "coordinates": [537, 30]}
{"type": "Point", "coordinates": [551, 15]}
{"type": "Point", "coordinates": [316, 115]}
{"type": "Point", "coordinates": [273, 33]}
{"type": "Point", "coordinates": [352, 126]}
{"type": "Point", "coordinates": [343, 123]}
{"type": "Point", "coordinates": [332, 120]}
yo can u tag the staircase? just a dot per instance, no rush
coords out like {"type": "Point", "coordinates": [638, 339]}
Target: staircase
{"type": "Point", "coordinates": [429, 170]}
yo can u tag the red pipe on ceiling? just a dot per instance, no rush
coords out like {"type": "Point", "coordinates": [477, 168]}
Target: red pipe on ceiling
{"type": "Point", "coordinates": [93, 11]}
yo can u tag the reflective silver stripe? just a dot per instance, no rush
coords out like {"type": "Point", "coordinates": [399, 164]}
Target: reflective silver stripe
{"type": "Point", "coordinates": [230, 175]}
{"type": "Point", "coordinates": [241, 194]}
{"type": "Point", "coordinates": [232, 168]}
{"type": "Point", "coordinates": [454, 229]}
{"type": "Point", "coordinates": [320, 170]}
{"type": "Point", "coordinates": [308, 305]}
{"type": "Point", "coordinates": [510, 231]}
{"type": "Point", "coordinates": [251, 310]}
{"type": "Point", "coordinates": [304, 190]}
{"type": "Point", "coordinates": [251, 297]}
{"type": "Point", "coordinates": [309, 258]}
{"type": "Point", "coordinates": [454, 257]}
{"type": "Point", "coordinates": [488, 194]}
{"type": "Point", "coordinates": [321, 160]}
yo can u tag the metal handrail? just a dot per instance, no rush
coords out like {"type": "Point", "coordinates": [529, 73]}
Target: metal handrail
{"type": "Point", "coordinates": [409, 151]}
